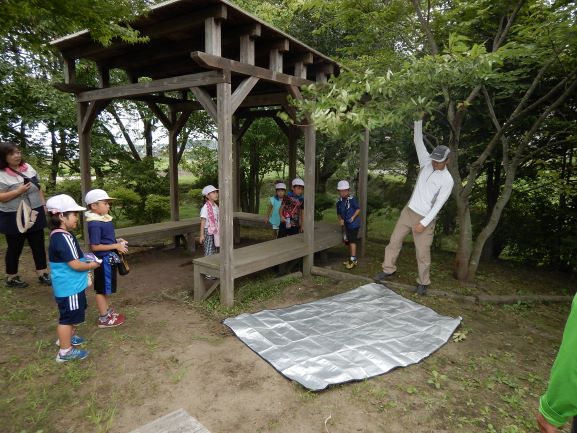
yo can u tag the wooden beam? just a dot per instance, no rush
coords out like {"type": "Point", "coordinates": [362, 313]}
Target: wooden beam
{"type": "Point", "coordinates": [363, 189]}
{"type": "Point", "coordinates": [213, 62]}
{"type": "Point", "coordinates": [226, 199]}
{"type": "Point", "coordinates": [206, 101]}
{"type": "Point", "coordinates": [92, 111]}
{"type": "Point", "coordinates": [283, 126]}
{"type": "Point", "coordinates": [160, 114]}
{"type": "Point", "coordinates": [103, 77]}
{"type": "Point", "coordinates": [69, 71]}
{"type": "Point", "coordinates": [181, 121]}
{"type": "Point", "coordinates": [275, 60]}
{"type": "Point", "coordinates": [292, 151]}
{"type": "Point", "coordinates": [247, 44]}
{"type": "Point", "coordinates": [309, 213]}
{"type": "Point", "coordinates": [173, 167]}
{"type": "Point", "coordinates": [242, 91]}
{"type": "Point", "coordinates": [84, 154]}
{"type": "Point", "coordinates": [245, 125]}
{"type": "Point", "coordinates": [183, 23]}
{"type": "Point", "coordinates": [212, 36]}
{"type": "Point", "coordinates": [145, 88]}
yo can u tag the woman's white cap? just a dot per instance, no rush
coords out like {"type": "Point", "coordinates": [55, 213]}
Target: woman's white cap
{"type": "Point", "coordinates": [280, 185]}
{"type": "Point", "coordinates": [208, 189]}
{"type": "Point", "coordinates": [298, 182]}
{"type": "Point", "coordinates": [63, 203]}
{"type": "Point", "coordinates": [343, 184]}
{"type": "Point", "coordinates": [95, 195]}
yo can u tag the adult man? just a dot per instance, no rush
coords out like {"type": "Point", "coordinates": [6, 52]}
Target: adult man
{"type": "Point", "coordinates": [434, 185]}
{"type": "Point", "coordinates": [559, 403]}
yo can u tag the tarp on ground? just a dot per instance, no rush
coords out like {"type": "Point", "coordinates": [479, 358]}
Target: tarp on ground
{"type": "Point", "coordinates": [359, 334]}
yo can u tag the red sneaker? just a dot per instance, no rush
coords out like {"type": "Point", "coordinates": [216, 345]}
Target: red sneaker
{"type": "Point", "coordinates": [111, 321]}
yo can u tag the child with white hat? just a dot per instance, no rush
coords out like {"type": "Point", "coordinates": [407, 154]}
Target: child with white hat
{"type": "Point", "coordinates": [273, 210]}
{"type": "Point", "coordinates": [69, 273]}
{"type": "Point", "coordinates": [103, 242]}
{"type": "Point", "coordinates": [348, 211]}
{"type": "Point", "coordinates": [209, 225]}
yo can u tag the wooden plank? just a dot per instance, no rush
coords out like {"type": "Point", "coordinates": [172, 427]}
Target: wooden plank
{"type": "Point", "coordinates": [145, 88]}
{"type": "Point", "coordinates": [241, 92]}
{"type": "Point", "coordinates": [160, 114]}
{"type": "Point", "coordinates": [92, 112]}
{"type": "Point", "coordinates": [226, 193]}
{"type": "Point", "coordinates": [214, 62]}
{"type": "Point", "coordinates": [69, 70]}
{"type": "Point", "coordinates": [206, 101]}
{"type": "Point", "coordinates": [309, 213]}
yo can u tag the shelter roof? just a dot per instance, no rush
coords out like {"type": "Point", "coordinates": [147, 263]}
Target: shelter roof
{"type": "Point", "coordinates": [177, 28]}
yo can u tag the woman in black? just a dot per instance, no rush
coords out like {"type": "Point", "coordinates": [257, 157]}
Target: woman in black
{"type": "Point", "coordinates": [22, 215]}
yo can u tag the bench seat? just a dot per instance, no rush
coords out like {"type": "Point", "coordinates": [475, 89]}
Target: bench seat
{"type": "Point", "coordinates": [254, 258]}
{"type": "Point", "coordinates": [188, 228]}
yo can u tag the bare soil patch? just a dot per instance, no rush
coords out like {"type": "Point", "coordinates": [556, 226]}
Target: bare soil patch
{"type": "Point", "coordinates": [173, 353]}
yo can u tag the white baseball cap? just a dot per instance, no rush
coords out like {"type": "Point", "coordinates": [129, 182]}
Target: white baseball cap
{"type": "Point", "coordinates": [343, 184]}
{"type": "Point", "coordinates": [63, 203]}
{"type": "Point", "coordinates": [280, 185]}
{"type": "Point", "coordinates": [208, 189]}
{"type": "Point", "coordinates": [95, 195]}
{"type": "Point", "coordinates": [298, 182]}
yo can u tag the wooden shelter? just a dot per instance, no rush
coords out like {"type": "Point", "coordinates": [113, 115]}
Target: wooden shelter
{"type": "Point", "coordinates": [220, 59]}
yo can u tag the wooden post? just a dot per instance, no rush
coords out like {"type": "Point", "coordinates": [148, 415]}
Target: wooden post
{"type": "Point", "coordinates": [236, 173]}
{"type": "Point", "coordinates": [309, 217]}
{"type": "Point", "coordinates": [212, 36]}
{"type": "Point", "coordinates": [363, 189]}
{"type": "Point", "coordinates": [173, 167]}
{"type": "Point", "coordinates": [84, 155]}
{"type": "Point", "coordinates": [226, 199]}
{"type": "Point", "coordinates": [292, 152]}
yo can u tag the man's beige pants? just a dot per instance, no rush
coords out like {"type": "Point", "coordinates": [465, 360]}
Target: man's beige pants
{"type": "Point", "coordinates": [423, 241]}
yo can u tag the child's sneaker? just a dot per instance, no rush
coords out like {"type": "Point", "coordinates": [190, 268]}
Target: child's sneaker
{"type": "Point", "coordinates": [45, 279]}
{"type": "Point", "coordinates": [111, 321]}
{"type": "Point", "coordinates": [73, 354]}
{"type": "Point", "coordinates": [76, 340]}
{"type": "Point", "coordinates": [351, 264]}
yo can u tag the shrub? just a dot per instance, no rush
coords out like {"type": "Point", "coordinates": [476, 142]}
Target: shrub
{"type": "Point", "coordinates": [322, 203]}
{"type": "Point", "coordinates": [128, 203]}
{"type": "Point", "coordinates": [71, 188]}
{"type": "Point", "coordinates": [156, 208]}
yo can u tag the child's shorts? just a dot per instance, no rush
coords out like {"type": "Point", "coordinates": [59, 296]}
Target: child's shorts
{"type": "Point", "coordinates": [352, 235]}
{"type": "Point", "coordinates": [105, 278]}
{"type": "Point", "coordinates": [72, 308]}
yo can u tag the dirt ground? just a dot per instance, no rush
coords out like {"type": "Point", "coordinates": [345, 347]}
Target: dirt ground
{"type": "Point", "coordinates": [173, 353]}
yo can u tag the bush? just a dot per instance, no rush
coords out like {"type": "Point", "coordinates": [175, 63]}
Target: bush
{"type": "Point", "coordinates": [322, 203]}
{"type": "Point", "coordinates": [71, 188]}
{"type": "Point", "coordinates": [127, 203]}
{"type": "Point", "coordinates": [156, 208]}
{"type": "Point", "coordinates": [195, 197]}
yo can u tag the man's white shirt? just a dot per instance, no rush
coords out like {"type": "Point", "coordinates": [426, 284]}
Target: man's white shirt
{"type": "Point", "coordinates": [433, 187]}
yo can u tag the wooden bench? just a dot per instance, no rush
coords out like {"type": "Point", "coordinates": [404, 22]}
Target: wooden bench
{"type": "Point", "coordinates": [189, 228]}
{"type": "Point", "coordinates": [254, 258]}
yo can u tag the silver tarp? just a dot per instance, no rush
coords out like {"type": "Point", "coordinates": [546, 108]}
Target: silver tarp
{"type": "Point", "coordinates": [352, 336]}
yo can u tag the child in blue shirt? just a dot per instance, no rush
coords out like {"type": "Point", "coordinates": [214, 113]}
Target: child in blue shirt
{"type": "Point", "coordinates": [105, 246]}
{"type": "Point", "coordinates": [273, 210]}
{"type": "Point", "coordinates": [69, 275]}
{"type": "Point", "coordinates": [348, 211]}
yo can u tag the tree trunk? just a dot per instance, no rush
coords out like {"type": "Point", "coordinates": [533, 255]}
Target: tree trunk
{"type": "Point", "coordinates": [465, 241]}
{"type": "Point", "coordinates": [492, 247]}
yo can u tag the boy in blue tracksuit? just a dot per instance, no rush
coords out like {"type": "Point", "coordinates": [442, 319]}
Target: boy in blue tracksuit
{"type": "Point", "coordinates": [348, 211]}
{"type": "Point", "coordinates": [69, 275]}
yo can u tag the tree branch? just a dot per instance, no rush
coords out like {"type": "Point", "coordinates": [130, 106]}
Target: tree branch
{"type": "Point", "coordinates": [426, 28]}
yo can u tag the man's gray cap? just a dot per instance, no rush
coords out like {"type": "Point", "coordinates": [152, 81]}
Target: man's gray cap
{"type": "Point", "coordinates": [440, 153]}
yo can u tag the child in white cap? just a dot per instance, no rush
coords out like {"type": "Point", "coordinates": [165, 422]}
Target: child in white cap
{"type": "Point", "coordinates": [292, 210]}
{"type": "Point", "coordinates": [105, 246]}
{"type": "Point", "coordinates": [209, 225]}
{"type": "Point", "coordinates": [273, 210]}
{"type": "Point", "coordinates": [348, 211]}
{"type": "Point", "coordinates": [69, 273]}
